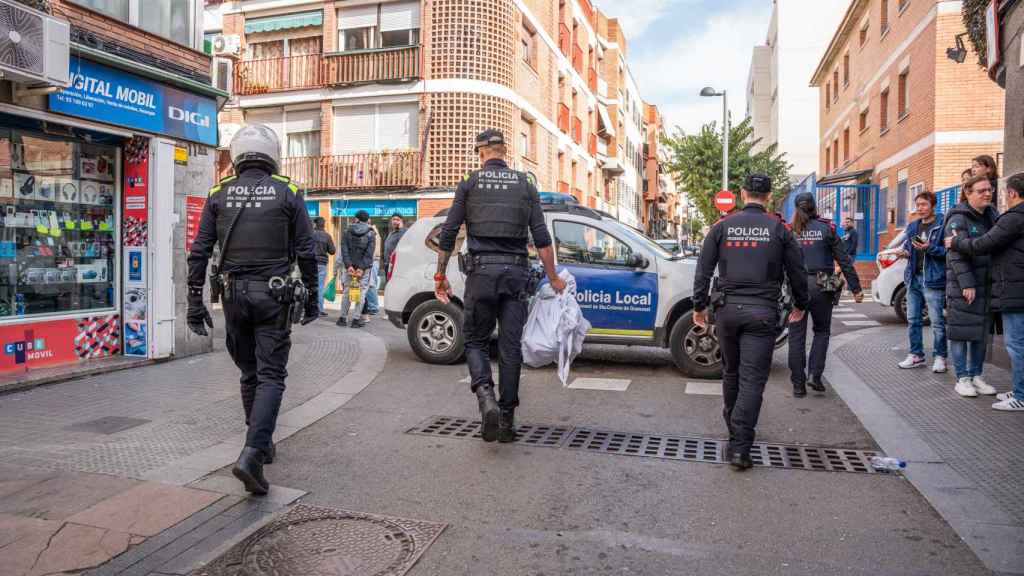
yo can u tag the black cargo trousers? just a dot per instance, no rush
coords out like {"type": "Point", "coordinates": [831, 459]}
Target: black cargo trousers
{"type": "Point", "coordinates": [819, 314]}
{"type": "Point", "coordinates": [259, 347]}
{"type": "Point", "coordinates": [746, 334]}
{"type": "Point", "coordinates": [496, 293]}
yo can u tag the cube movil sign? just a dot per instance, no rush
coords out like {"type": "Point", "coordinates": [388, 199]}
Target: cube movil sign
{"type": "Point", "coordinates": [116, 97]}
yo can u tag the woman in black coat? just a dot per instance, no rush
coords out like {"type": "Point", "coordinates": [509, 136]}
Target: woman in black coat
{"type": "Point", "coordinates": [968, 287]}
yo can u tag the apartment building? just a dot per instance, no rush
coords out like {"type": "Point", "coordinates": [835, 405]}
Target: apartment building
{"type": "Point", "coordinates": [897, 116]}
{"type": "Point", "coordinates": [660, 212]}
{"type": "Point", "coordinates": [377, 103]}
{"type": "Point", "coordinates": [103, 159]}
{"type": "Point", "coordinates": [759, 99]}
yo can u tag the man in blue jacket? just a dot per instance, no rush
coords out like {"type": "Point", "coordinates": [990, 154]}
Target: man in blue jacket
{"type": "Point", "coordinates": [925, 279]}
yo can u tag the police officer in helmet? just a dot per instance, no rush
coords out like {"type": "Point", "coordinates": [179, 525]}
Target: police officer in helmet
{"type": "Point", "coordinates": [821, 248]}
{"type": "Point", "coordinates": [501, 210]}
{"type": "Point", "coordinates": [751, 249]}
{"type": "Point", "coordinates": [259, 221]}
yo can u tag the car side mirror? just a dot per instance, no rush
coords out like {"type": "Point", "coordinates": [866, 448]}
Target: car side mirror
{"type": "Point", "coordinates": [636, 261]}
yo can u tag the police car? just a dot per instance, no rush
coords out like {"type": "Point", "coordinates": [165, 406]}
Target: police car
{"type": "Point", "coordinates": [633, 291]}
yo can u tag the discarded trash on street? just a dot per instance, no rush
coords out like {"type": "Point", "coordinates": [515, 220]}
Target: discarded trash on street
{"type": "Point", "coordinates": [555, 328]}
{"type": "Point", "coordinates": [887, 464]}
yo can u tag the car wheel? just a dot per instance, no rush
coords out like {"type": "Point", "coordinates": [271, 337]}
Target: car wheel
{"type": "Point", "coordinates": [695, 350]}
{"type": "Point", "coordinates": [435, 332]}
{"type": "Point", "coordinates": [899, 302]}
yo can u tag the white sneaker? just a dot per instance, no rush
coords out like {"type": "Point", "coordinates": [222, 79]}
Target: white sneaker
{"type": "Point", "coordinates": [912, 361]}
{"type": "Point", "coordinates": [965, 388]}
{"type": "Point", "coordinates": [1009, 405]}
{"type": "Point", "coordinates": [1004, 395]}
{"type": "Point", "coordinates": [939, 366]}
{"type": "Point", "coordinates": [982, 387]}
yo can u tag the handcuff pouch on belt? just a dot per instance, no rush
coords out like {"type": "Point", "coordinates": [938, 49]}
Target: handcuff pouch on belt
{"type": "Point", "coordinates": [217, 282]}
{"type": "Point", "coordinates": [466, 264]}
{"type": "Point", "coordinates": [716, 297]}
{"type": "Point", "coordinates": [830, 282]}
{"type": "Point", "coordinates": [291, 293]}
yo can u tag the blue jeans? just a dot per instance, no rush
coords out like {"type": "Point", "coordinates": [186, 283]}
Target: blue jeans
{"type": "Point", "coordinates": [1013, 328]}
{"type": "Point", "coordinates": [372, 298]}
{"type": "Point", "coordinates": [321, 278]}
{"type": "Point", "coordinates": [968, 357]}
{"type": "Point", "coordinates": [917, 297]}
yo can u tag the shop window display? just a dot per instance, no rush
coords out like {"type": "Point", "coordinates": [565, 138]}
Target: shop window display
{"type": "Point", "coordinates": [58, 212]}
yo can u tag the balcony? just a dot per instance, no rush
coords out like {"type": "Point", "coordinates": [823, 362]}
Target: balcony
{"type": "Point", "coordinates": [563, 118]}
{"type": "Point", "coordinates": [578, 194]}
{"type": "Point", "coordinates": [321, 70]}
{"type": "Point", "coordinates": [369, 170]}
{"type": "Point", "coordinates": [563, 187]}
{"type": "Point", "coordinates": [592, 80]}
{"type": "Point", "coordinates": [577, 59]}
{"type": "Point", "coordinates": [577, 130]}
{"type": "Point", "coordinates": [564, 39]}
{"type": "Point", "coordinates": [588, 11]}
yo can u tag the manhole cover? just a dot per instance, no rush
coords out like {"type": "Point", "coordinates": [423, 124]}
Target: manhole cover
{"type": "Point", "coordinates": [328, 542]}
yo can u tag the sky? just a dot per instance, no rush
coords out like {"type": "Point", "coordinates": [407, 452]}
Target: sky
{"type": "Point", "coordinates": [677, 47]}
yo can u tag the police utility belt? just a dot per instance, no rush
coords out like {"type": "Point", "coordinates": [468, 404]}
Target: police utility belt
{"type": "Point", "coordinates": [469, 263]}
{"type": "Point", "coordinates": [829, 281]}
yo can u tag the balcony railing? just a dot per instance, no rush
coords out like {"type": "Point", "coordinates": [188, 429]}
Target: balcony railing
{"type": "Point", "coordinates": [564, 39]}
{"type": "Point", "coordinates": [577, 59]}
{"type": "Point", "coordinates": [592, 80]}
{"type": "Point", "coordinates": [563, 118]}
{"type": "Point", "coordinates": [577, 130]}
{"type": "Point", "coordinates": [398, 169]}
{"type": "Point", "coordinates": [588, 10]}
{"type": "Point", "coordinates": [319, 70]}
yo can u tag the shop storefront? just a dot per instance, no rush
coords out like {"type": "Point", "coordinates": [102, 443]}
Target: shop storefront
{"type": "Point", "coordinates": [95, 182]}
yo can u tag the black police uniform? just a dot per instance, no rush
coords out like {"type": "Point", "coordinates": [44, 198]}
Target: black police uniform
{"type": "Point", "coordinates": [499, 205]}
{"type": "Point", "coordinates": [822, 248]}
{"type": "Point", "coordinates": [751, 249]}
{"type": "Point", "coordinates": [272, 232]}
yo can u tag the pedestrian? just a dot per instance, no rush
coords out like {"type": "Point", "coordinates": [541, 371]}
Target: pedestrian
{"type": "Point", "coordinates": [357, 247]}
{"type": "Point", "coordinates": [821, 248]}
{"type": "Point", "coordinates": [925, 281]}
{"type": "Point", "coordinates": [985, 165]}
{"type": "Point", "coordinates": [1006, 244]}
{"type": "Point", "coordinates": [501, 209]}
{"type": "Point", "coordinates": [259, 243]}
{"type": "Point", "coordinates": [372, 305]}
{"type": "Point", "coordinates": [966, 175]}
{"type": "Point", "coordinates": [852, 240]}
{"type": "Point", "coordinates": [391, 242]}
{"type": "Point", "coordinates": [967, 287]}
{"type": "Point", "coordinates": [754, 252]}
{"type": "Point", "coordinates": [324, 247]}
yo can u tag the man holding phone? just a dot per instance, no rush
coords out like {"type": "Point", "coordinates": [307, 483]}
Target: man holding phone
{"type": "Point", "coordinates": [925, 279]}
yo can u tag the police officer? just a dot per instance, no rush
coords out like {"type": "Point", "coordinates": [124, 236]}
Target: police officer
{"type": "Point", "coordinates": [259, 221]}
{"type": "Point", "coordinates": [501, 209]}
{"type": "Point", "coordinates": [822, 248]}
{"type": "Point", "coordinates": [751, 250]}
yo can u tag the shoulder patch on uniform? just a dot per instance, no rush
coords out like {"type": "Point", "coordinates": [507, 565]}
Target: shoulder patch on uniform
{"type": "Point", "coordinates": [465, 178]}
{"type": "Point", "coordinates": [293, 188]}
{"type": "Point", "coordinates": [228, 178]}
{"type": "Point", "coordinates": [280, 178]}
{"type": "Point", "coordinates": [214, 190]}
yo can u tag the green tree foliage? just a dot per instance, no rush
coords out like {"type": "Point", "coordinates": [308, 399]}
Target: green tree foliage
{"type": "Point", "coordinates": [696, 164]}
{"type": "Point", "coordinates": [973, 12]}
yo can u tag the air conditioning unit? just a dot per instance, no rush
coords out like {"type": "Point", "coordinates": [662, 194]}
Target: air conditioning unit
{"type": "Point", "coordinates": [226, 44]}
{"type": "Point", "coordinates": [34, 47]}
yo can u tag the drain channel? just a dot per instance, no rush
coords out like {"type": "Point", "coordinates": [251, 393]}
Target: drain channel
{"type": "Point", "coordinates": [664, 446]}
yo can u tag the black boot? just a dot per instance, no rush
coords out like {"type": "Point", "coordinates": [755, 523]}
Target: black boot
{"type": "Point", "coordinates": [271, 454]}
{"type": "Point", "coordinates": [799, 390]}
{"type": "Point", "coordinates": [507, 425]}
{"type": "Point", "coordinates": [249, 470]}
{"type": "Point", "coordinates": [488, 413]}
{"type": "Point", "coordinates": [741, 462]}
{"type": "Point", "coordinates": [341, 322]}
{"type": "Point", "coordinates": [816, 384]}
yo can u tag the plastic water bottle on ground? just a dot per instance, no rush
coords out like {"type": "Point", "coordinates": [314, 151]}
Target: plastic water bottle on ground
{"type": "Point", "coordinates": [887, 464]}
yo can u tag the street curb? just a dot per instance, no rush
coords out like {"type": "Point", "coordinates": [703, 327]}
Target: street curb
{"type": "Point", "coordinates": [957, 499]}
{"type": "Point", "coordinates": [85, 371]}
{"type": "Point", "coordinates": [369, 364]}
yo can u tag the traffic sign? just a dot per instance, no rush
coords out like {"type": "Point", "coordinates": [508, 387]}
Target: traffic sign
{"type": "Point", "coordinates": [725, 201]}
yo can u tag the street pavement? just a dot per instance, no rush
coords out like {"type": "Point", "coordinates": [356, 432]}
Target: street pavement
{"type": "Point", "coordinates": [509, 509]}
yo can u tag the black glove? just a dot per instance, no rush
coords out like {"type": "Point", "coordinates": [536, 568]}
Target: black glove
{"type": "Point", "coordinates": [312, 309]}
{"type": "Point", "coordinates": [197, 314]}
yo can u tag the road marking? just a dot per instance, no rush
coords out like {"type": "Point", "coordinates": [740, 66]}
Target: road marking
{"type": "Point", "coordinates": [611, 384]}
{"type": "Point", "coordinates": [704, 388]}
{"type": "Point", "coordinates": [861, 323]}
{"type": "Point", "coordinates": [853, 315]}
{"type": "Point", "coordinates": [843, 309]}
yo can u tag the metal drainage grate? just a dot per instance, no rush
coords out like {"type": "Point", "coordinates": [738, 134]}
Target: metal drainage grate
{"type": "Point", "coordinates": [529, 434]}
{"type": "Point", "coordinates": [812, 458]}
{"type": "Point", "coordinates": [656, 446]}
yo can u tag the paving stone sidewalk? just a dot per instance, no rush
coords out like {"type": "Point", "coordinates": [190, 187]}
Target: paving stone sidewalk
{"type": "Point", "coordinates": [83, 462]}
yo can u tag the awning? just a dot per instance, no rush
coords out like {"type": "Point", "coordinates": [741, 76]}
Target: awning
{"type": "Point", "coordinates": [612, 166]}
{"type": "Point", "coordinates": [284, 22]}
{"type": "Point", "coordinates": [604, 122]}
{"type": "Point", "coordinates": [845, 177]}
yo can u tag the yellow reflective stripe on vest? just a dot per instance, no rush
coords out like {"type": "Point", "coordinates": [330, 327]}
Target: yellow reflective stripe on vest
{"type": "Point", "coordinates": [227, 179]}
{"type": "Point", "coordinates": [280, 177]}
{"type": "Point", "coordinates": [293, 188]}
{"type": "Point", "coordinates": [214, 190]}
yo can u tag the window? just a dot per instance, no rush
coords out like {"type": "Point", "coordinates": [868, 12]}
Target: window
{"type": "Point", "coordinates": [864, 119]}
{"type": "Point", "coordinates": [358, 39]}
{"type": "Point", "coordinates": [882, 208]}
{"type": "Point", "coordinates": [835, 154]}
{"type": "Point", "coordinates": [883, 23]}
{"type": "Point", "coordinates": [835, 82]}
{"type": "Point", "coordinates": [828, 159]}
{"type": "Point", "coordinates": [864, 30]}
{"type": "Point", "coordinates": [582, 244]}
{"type": "Point", "coordinates": [357, 28]}
{"type": "Point", "coordinates": [375, 128]}
{"type": "Point", "coordinates": [902, 6]}
{"type": "Point", "coordinates": [846, 70]}
{"type": "Point", "coordinates": [527, 139]}
{"type": "Point", "coordinates": [529, 47]}
{"type": "Point", "coordinates": [902, 200]}
{"type": "Point", "coordinates": [399, 24]}
{"type": "Point", "coordinates": [846, 144]}
{"type": "Point", "coordinates": [828, 95]}
{"type": "Point", "coordinates": [303, 129]}
{"type": "Point", "coordinates": [171, 19]}
{"type": "Point", "coordinates": [222, 74]}
{"type": "Point", "coordinates": [303, 144]}
{"type": "Point", "coordinates": [903, 95]}
{"type": "Point", "coordinates": [883, 111]}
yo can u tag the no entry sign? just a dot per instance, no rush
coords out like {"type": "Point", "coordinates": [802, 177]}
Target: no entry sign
{"type": "Point", "coordinates": [725, 201]}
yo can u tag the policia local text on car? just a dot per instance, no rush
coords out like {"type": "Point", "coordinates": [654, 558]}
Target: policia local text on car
{"type": "Point", "coordinates": [258, 218]}
{"type": "Point", "coordinates": [499, 206]}
{"type": "Point", "coordinates": [751, 250]}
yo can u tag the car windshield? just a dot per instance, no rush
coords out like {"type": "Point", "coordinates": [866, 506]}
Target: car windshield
{"type": "Point", "coordinates": [644, 240]}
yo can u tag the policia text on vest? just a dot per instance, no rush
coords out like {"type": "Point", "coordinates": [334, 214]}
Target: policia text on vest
{"type": "Point", "coordinates": [500, 209]}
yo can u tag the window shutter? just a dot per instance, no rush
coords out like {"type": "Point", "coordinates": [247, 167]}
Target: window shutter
{"type": "Point", "coordinates": [303, 120]}
{"type": "Point", "coordinates": [353, 129]}
{"type": "Point", "coordinates": [357, 17]}
{"type": "Point", "coordinates": [399, 16]}
{"type": "Point", "coordinates": [398, 126]}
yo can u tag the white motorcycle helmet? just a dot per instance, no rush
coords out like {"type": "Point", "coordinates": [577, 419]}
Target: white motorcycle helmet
{"type": "Point", "coordinates": [256, 143]}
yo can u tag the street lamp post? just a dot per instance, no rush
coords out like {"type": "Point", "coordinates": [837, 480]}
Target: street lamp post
{"type": "Point", "coordinates": [709, 91]}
